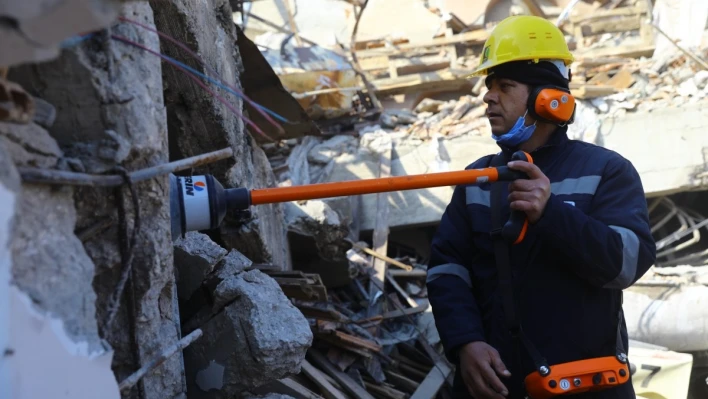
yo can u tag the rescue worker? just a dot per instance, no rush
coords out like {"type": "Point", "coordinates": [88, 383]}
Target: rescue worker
{"type": "Point", "coordinates": [588, 236]}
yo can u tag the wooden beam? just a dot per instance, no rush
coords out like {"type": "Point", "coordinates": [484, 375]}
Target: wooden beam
{"type": "Point", "coordinates": [290, 387]}
{"type": "Point", "coordinates": [316, 376]}
{"type": "Point", "coordinates": [626, 51]}
{"type": "Point", "coordinates": [356, 390]}
{"type": "Point", "coordinates": [592, 91]}
{"type": "Point", "coordinates": [475, 37]}
{"type": "Point", "coordinates": [284, 8]}
{"type": "Point", "coordinates": [400, 289]}
{"type": "Point", "coordinates": [382, 257]}
{"type": "Point", "coordinates": [438, 81]}
{"type": "Point", "coordinates": [402, 382]}
{"type": "Point", "coordinates": [600, 27]}
{"type": "Point", "coordinates": [578, 18]}
{"type": "Point", "coordinates": [406, 312]}
{"type": "Point", "coordinates": [432, 383]}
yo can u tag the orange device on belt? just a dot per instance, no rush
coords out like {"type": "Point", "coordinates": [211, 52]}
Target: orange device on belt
{"type": "Point", "coordinates": [576, 377]}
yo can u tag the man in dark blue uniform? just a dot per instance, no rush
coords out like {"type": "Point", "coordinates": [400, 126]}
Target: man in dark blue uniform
{"type": "Point", "coordinates": [588, 236]}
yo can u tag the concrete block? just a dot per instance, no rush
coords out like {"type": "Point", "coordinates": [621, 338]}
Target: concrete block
{"type": "Point", "coordinates": [195, 256]}
{"type": "Point", "coordinates": [258, 337]}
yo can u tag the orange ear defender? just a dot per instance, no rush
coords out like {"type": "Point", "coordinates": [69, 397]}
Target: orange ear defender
{"type": "Point", "coordinates": [577, 377]}
{"type": "Point", "coordinates": [552, 104]}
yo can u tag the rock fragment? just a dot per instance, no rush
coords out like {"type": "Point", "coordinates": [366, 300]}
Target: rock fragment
{"type": "Point", "coordinates": [195, 257]}
{"type": "Point", "coordinates": [258, 337]}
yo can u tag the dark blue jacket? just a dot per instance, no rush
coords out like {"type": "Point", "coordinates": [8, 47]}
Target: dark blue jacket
{"type": "Point", "coordinates": [592, 241]}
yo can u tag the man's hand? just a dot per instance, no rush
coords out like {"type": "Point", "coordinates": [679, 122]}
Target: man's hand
{"type": "Point", "coordinates": [529, 195]}
{"type": "Point", "coordinates": [479, 366]}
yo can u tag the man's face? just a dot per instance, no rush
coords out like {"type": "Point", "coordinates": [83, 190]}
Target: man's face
{"type": "Point", "coordinates": [506, 102]}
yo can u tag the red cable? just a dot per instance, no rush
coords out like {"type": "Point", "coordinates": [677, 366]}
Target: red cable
{"type": "Point", "coordinates": [197, 81]}
{"type": "Point", "coordinates": [210, 69]}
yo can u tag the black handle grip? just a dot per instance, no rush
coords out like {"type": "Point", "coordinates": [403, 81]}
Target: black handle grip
{"type": "Point", "coordinates": [514, 229]}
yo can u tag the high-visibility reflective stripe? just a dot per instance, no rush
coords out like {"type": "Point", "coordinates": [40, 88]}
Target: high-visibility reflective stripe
{"type": "Point", "coordinates": [451, 269]}
{"type": "Point", "coordinates": [630, 257]}
{"type": "Point", "coordinates": [580, 185]}
{"type": "Point", "coordinates": [476, 195]}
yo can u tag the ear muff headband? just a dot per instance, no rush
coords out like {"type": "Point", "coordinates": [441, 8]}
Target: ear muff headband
{"type": "Point", "coordinates": [552, 104]}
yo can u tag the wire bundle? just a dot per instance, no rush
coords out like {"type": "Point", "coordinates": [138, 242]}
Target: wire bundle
{"type": "Point", "coordinates": [267, 113]}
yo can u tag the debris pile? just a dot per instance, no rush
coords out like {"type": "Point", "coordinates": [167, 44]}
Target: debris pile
{"type": "Point", "coordinates": [449, 119]}
{"type": "Point", "coordinates": [243, 315]}
{"type": "Point", "coordinates": [369, 342]}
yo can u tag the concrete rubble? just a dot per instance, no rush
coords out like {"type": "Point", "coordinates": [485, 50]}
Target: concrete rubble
{"type": "Point", "coordinates": [195, 257]}
{"type": "Point", "coordinates": [258, 336]}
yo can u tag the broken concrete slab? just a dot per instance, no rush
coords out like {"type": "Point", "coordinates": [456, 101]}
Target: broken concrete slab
{"type": "Point", "coordinates": [636, 136]}
{"type": "Point", "coordinates": [317, 220]}
{"type": "Point", "coordinates": [318, 237]}
{"type": "Point", "coordinates": [324, 152]}
{"type": "Point", "coordinates": [232, 264]}
{"type": "Point", "coordinates": [196, 307]}
{"type": "Point", "coordinates": [195, 256]}
{"type": "Point", "coordinates": [258, 337]}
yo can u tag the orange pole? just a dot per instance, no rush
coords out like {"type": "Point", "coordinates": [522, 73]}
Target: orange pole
{"type": "Point", "coordinates": [369, 186]}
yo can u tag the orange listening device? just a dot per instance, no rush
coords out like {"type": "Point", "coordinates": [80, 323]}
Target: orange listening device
{"type": "Point", "coordinates": [201, 202]}
{"type": "Point", "coordinates": [577, 377]}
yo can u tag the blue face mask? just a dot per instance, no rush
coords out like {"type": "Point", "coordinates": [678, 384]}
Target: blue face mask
{"type": "Point", "coordinates": [517, 135]}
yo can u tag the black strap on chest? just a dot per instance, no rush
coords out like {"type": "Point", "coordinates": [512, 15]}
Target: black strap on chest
{"type": "Point", "coordinates": [502, 249]}
{"type": "Point", "coordinates": [502, 253]}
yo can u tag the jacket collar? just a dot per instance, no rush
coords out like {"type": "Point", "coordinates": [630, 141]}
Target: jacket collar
{"type": "Point", "coordinates": [557, 140]}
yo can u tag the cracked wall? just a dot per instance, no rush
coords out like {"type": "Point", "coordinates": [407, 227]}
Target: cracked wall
{"type": "Point", "coordinates": [199, 123]}
{"type": "Point", "coordinates": [105, 120]}
{"type": "Point", "coordinates": [47, 314]}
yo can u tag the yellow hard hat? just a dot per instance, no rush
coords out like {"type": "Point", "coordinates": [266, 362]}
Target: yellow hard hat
{"type": "Point", "coordinates": [520, 38]}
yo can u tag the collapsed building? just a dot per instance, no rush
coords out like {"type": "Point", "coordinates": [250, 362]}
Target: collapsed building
{"type": "Point", "coordinates": [308, 299]}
